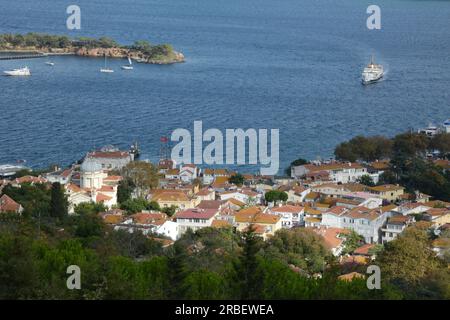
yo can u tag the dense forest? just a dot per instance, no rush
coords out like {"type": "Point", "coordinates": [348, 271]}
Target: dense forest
{"type": "Point", "coordinates": [37, 247]}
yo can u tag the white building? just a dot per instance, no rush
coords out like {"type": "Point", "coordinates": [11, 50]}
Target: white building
{"type": "Point", "coordinates": [394, 226]}
{"type": "Point", "coordinates": [60, 176]}
{"type": "Point", "coordinates": [91, 175]}
{"type": "Point", "coordinates": [364, 221]}
{"type": "Point", "coordinates": [291, 216]}
{"type": "Point", "coordinates": [339, 172]}
{"type": "Point", "coordinates": [110, 158]}
{"type": "Point", "coordinates": [194, 219]}
{"type": "Point", "coordinates": [188, 172]}
{"type": "Point", "coordinates": [169, 229]}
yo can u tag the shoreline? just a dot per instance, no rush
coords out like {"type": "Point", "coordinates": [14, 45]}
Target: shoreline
{"type": "Point", "coordinates": [113, 53]}
{"type": "Point", "coordinates": [54, 45]}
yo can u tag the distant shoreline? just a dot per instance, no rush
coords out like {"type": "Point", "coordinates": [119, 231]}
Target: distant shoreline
{"type": "Point", "coordinates": [51, 45]}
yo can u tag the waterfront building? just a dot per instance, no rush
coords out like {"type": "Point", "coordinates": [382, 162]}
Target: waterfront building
{"type": "Point", "coordinates": [109, 158]}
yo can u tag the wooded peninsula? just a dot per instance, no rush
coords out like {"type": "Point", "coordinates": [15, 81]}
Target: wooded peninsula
{"type": "Point", "coordinates": [141, 51]}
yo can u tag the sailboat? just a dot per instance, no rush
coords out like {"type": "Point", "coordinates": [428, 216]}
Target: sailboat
{"type": "Point", "coordinates": [105, 69]}
{"type": "Point", "coordinates": [49, 63]}
{"type": "Point", "coordinates": [129, 66]}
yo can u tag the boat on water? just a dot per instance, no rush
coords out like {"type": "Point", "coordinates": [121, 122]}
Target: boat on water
{"type": "Point", "coordinates": [128, 66]}
{"type": "Point", "coordinates": [18, 72]}
{"type": "Point", "coordinates": [49, 63]}
{"type": "Point", "coordinates": [372, 72]}
{"type": "Point", "coordinates": [105, 69]}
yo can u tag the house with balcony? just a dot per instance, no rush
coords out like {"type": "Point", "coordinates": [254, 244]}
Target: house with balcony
{"type": "Point", "coordinates": [194, 219]}
{"type": "Point", "coordinates": [291, 216]}
{"type": "Point", "coordinates": [395, 225]}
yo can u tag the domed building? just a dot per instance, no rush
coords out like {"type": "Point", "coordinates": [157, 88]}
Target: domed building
{"type": "Point", "coordinates": [91, 175]}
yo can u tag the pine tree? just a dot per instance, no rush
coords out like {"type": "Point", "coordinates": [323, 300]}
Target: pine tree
{"type": "Point", "coordinates": [178, 271]}
{"type": "Point", "coordinates": [58, 202]}
{"type": "Point", "coordinates": [248, 267]}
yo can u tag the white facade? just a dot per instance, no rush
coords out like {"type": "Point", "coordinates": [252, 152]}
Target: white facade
{"type": "Point", "coordinates": [169, 229]}
{"type": "Point", "coordinates": [347, 175]}
{"type": "Point", "coordinates": [289, 217]}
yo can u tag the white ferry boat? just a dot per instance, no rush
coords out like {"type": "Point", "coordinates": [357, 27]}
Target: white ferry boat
{"type": "Point", "coordinates": [372, 72]}
{"type": "Point", "coordinates": [18, 72]}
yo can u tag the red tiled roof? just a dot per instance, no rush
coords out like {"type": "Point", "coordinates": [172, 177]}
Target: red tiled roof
{"type": "Point", "coordinates": [149, 218]}
{"type": "Point", "coordinates": [102, 197]}
{"type": "Point", "coordinates": [196, 213]}
{"type": "Point", "coordinates": [330, 236]}
{"type": "Point", "coordinates": [287, 208]}
{"type": "Point", "coordinates": [364, 249]}
{"type": "Point", "coordinates": [106, 189]}
{"type": "Point", "coordinates": [8, 205]}
{"type": "Point", "coordinates": [210, 204]}
{"type": "Point", "coordinates": [113, 178]}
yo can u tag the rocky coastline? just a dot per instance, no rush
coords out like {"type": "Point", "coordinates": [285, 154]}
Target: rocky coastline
{"type": "Point", "coordinates": [119, 53]}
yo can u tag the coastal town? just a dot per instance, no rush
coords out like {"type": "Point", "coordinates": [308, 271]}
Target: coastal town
{"type": "Point", "coordinates": [331, 198]}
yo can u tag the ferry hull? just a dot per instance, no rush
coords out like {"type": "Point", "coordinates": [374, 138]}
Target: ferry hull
{"type": "Point", "coordinates": [366, 82]}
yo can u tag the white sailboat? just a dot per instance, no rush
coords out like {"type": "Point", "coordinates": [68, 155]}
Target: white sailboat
{"type": "Point", "coordinates": [105, 69]}
{"type": "Point", "coordinates": [18, 72]}
{"type": "Point", "coordinates": [129, 66]}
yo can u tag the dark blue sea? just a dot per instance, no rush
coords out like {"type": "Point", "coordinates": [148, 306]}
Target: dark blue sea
{"type": "Point", "coordinates": [292, 65]}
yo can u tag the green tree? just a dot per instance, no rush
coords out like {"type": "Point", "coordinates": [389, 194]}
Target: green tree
{"type": "Point", "coordinates": [366, 180]}
{"type": "Point", "coordinates": [204, 285]}
{"type": "Point", "coordinates": [134, 205]}
{"type": "Point", "coordinates": [275, 196]}
{"type": "Point", "coordinates": [300, 247]}
{"type": "Point", "coordinates": [58, 202]}
{"type": "Point", "coordinates": [352, 241]}
{"type": "Point", "coordinates": [143, 175]}
{"type": "Point", "coordinates": [124, 190]}
{"type": "Point", "coordinates": [170, 211]}
{"type": "Point", "coordinates": [441, 142]}
{"type": "Point", "coordinates": [406, 260]}
{"type": "Point", "coordinates": [237, 179]}
{"type": "Point", "coordinates": [178, 264]}
{"type": "Point", "coordinates": [248, 266]}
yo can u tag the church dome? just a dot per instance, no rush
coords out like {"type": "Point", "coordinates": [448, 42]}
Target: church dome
{"type": "Point", "coordinates": [90, 166]}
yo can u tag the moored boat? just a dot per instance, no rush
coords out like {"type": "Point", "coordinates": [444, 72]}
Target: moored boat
{"type": "Point", "coordinates": [18, 72]}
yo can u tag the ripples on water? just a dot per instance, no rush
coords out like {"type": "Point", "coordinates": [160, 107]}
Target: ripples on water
{"type": "Point", "coordinates": [292, 65]}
